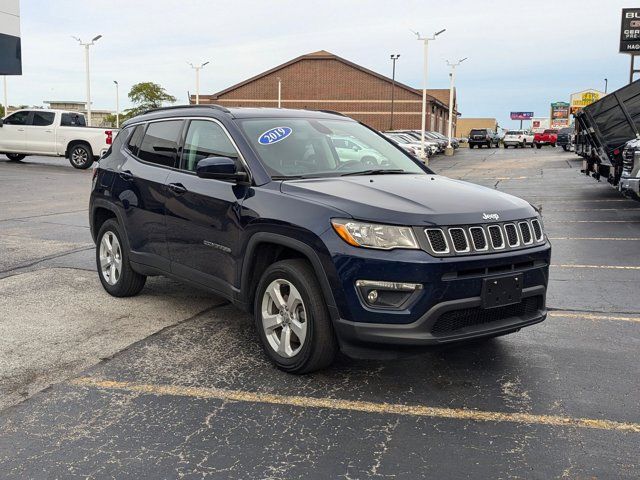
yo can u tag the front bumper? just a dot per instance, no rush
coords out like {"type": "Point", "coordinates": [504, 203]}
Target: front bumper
{"type": "Point", "coordinates": [447, 322]}
{"type": "Point", "coordinates": [449, 284]}
{"type": "Point", "coordinates": [630, 187]}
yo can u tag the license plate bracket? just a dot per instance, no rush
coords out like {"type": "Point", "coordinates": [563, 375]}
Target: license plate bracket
{"type": "Point", "coordinates": [501, 291]}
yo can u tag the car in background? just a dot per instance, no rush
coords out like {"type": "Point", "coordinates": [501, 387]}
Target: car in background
{"type": "Point", "coordinates": [483, 136]}
{"type": "Point", "coordinates": [518, 138]}
{"type": "Point", "coordinates": [350, 149]}
{"type": "Point", "coordinates": [411, 144]}
{"type": "Point", "coordinates": [53, 133]}
{"type": "Point", "coordinates": [547, 137]}
{"type": "Point", "coordinates": [454, 142]}
{"type": "Point", "coordinates": [415, 134]}
{"type": "Point", "coordinates": [565, 138]}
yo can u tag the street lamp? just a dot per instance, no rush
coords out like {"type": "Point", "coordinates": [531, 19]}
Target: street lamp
{"type": "Point", "coordinates": [606, 84]}
{"type": "Point", "coordinates": [197, 68]}
{"type": "Point", "coordinates": [279, 92]}
{"type": "Point", "coordinates": [117, 104]}
{"type": "Point", "coordinates": [452, 75]}
{"type": "Point", "coordinates": [394, 57]}
{"type": "Point", "coordinates": [425, 41]}
{"type": "Point", "coordinates": [88, 78]}
{"type": "Point", "coordinates": [6, 105]}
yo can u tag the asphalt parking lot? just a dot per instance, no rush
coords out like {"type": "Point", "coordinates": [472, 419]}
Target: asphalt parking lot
{"type": "Point", "coordinates": [173, 383]}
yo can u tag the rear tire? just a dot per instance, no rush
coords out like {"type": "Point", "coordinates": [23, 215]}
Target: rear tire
{"type": "Point", "coordinates": [538, 146]}
{"type": "Point", "coordinates": [80, 156]}
{"type": "Point", "coordinates": [565, 148]}
{"type": "Point", "coordinates": [15, 157]}
{"type": "Point", "coordinates": [112, 261]}
{"type": "Point", "coordinates": [292, 319]}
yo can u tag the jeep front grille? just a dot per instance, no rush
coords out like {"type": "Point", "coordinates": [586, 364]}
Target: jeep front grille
{"type": "Point", "coordinates": [477, 239]}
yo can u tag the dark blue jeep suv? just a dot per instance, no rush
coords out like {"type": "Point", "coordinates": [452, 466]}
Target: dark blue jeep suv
{"type": "Point", "coordinates": [328, 245]}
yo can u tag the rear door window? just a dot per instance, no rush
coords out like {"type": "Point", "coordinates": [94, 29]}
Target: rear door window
{"type": "Point", "coordinates": [160, 143]}
{"type": "Point", "coordinates": [72, 120]}
{"type": "Point", "coordinates": [42, 119]}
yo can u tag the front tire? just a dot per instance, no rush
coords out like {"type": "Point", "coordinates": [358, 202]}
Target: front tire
{"type": "Point", "coordinates": [292, 319]}
{"type": "Point", "coordinates": [80, 156]}
{"type": "Point", "coordinates": [538, 146]}
{"type": "Point", "coordinates": [112, 260]}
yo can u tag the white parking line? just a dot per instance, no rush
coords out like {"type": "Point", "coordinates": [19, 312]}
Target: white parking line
{"type": "Point", "coordinates": [615, 239]}
{"type": "Point", "coordinates": [603, 267]}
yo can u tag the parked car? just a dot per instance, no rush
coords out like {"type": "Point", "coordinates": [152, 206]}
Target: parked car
{"type": "Point", "coordinates": [483, 136]}
{"type": "Point", "coordinates": [350, 149]}
{"type": "Point", "coordinates": [411, 144]}
{"type": "Point", "coordinates": [454, 141]}
{"type": "Point", "coordinates": [326, 253]}
{"type": "Point", "coordinates": [565, 138]}
{"type": "Point", "coordinates": [56, 133]}
{"type": "Point", "coordinates": [518, 138]}
{"type": "Point", "coordinates": [417, 137]}
{"type": "Point", "coordinates": [547, 137]}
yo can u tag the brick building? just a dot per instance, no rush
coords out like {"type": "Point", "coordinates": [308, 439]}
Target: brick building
{"type": "Point", "coordinates": [323, 81]}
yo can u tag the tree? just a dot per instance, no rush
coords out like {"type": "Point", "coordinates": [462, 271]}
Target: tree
{"type": "Point", "coordinates": [147, 95]}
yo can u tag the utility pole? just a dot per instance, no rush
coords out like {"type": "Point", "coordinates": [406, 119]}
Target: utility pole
{"type": "Point", "coordinates": [425, 41]}
{"type": "Point", "coordinates": [606, 84]}
{"type": "Point", "coordinates": [452, 75]}
{"type": "Point", "coordinates": [6, 105]}
{"type": "Point", "coordinates": [279, 92]}
{"type": "Point", "coordinates": [88, 76]}
{"type": "Point", "coordinates": [394, 57]}
{"type": "Point", "coordinates": [117, 104]}
{"type": "Point", "coordinates": [197, 68]}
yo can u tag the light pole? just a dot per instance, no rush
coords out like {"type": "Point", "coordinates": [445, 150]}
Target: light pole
{"type": "Point", "coordinates": [452, 75]}
{"type": "Point", "coordinates": [197, 68]}
{"type": "Point", "coordinates": [606, 84]}
{"type": "Point", "coordinates": [425, 41]}
{"type": "Point", "coordinates": [279, 92]}
{"type": "Point", "coordinates": [117, 104]}
{"type": "Point", "coordinates": [6, 105]}
{"type": "Point", "coordinates": [88, 77]}
{"type": "Point", "coordinates": [394, 57]}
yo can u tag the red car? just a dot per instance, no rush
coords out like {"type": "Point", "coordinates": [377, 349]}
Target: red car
{"type": "Point", "coordinates": [548, 137]}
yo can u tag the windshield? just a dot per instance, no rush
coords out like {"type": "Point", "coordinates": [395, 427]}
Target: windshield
{"type": "Point", "coordinates": [478, 132]}
{"type": "Point", "coordinates": [307, 148]}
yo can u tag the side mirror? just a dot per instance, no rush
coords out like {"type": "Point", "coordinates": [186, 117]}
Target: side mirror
{"type": "Point", "coordinates": [220, 168]}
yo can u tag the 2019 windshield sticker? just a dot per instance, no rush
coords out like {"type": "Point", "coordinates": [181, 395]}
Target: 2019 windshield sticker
{"type": "Point", "coordinates": [274, 135]}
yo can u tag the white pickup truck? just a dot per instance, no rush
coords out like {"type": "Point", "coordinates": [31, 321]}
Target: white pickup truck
{"type": "Point", "coordinates": [518, 138]}
{"type": "Point", "coordinates": [56, 133]}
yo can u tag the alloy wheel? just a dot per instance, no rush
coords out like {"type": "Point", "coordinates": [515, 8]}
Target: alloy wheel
{"type": "Point", "coordinates": [284, 318]}
{"type": "Point", "coordinates": [79, 156]}
{"type": "Point", "coordinates": [110, 258]}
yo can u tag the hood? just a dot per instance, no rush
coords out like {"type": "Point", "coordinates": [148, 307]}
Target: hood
{"type": "Point", "coordinates": [410, 199]}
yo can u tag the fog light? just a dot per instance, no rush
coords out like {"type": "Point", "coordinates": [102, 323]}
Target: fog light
{"type": "Point", "coordinates": [390, 295]}
{"type": "Point", "coordinates": [372, 296]}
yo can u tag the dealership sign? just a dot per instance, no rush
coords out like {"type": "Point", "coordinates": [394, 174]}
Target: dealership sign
{"type": "Point", "coordinates": [521, 115]}
{"type": "Point", "coordinates": [10, 49]}
{"type": "Point", "coordinates": [630, 31]}
{"type": "Point", "coordinates": [579, 100]}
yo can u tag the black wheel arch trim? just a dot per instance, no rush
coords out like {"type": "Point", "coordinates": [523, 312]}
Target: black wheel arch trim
{"type": "Point", "coordinates": [278, 239]}
{"type": "Point", "coordinates": [101, 203]}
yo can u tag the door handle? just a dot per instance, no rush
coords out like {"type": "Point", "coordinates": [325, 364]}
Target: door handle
{"type": "Point", "coordinates": [48, 131]}
{"type": "Point", "coordinates": [177, 188]}
{"type": "Point", "coordinates": [20, 129]}
{"type": "Point", "coordinates": [126, 175]}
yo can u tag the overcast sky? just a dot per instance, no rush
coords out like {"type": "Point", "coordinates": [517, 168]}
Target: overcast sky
{"type": "Point", "coordinates": [522, 55]}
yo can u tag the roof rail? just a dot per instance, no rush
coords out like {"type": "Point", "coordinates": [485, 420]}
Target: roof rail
{"type": "Point", "coordinates": [174, 107]}
{"type": "Point", "coordinates": [332, 112]}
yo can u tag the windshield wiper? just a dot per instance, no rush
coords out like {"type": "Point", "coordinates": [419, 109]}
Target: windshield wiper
{"type": "Point", "coordinates": [377, 171]}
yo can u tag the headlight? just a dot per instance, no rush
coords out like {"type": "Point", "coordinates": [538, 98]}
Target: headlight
{"type": "Point", "coordinates": [372, 235]}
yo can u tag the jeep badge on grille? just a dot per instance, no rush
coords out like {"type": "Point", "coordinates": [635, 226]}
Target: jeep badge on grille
{"type": "Point", "coordinates": [490, 216]}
